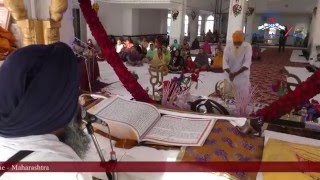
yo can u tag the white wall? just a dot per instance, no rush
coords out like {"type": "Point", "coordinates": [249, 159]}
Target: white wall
{"type": "Point", "coordinates": [296, 20]}
{"type": "Point", "coordinates": [163, 21]}
{"type": "Point", "coordinates": [135, 21]}
{"type": "Point", "coordinates": [150, 21]}
{"type": "Point", "coordinates": [67, 29]}
{"type": "Point", "coordinates": [116, 19]}
{"type": "Point", "coordinates": [120, 19]}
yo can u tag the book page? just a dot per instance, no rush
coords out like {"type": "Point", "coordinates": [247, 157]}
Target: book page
{"type": "Point", "coordinates": [140, 116]}
{"type": "Point", "coordinates": [180, 131]}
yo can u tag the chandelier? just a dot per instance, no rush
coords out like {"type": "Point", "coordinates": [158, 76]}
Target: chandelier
{"type": "Point", "coordinates": [273, 26]}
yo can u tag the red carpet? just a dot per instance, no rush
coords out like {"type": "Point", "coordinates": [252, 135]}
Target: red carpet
{"type": "Point", "coordinates": [268, 70]}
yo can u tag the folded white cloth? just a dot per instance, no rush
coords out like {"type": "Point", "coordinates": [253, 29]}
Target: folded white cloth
{"type": "Point", "coordinates": [235, 121]}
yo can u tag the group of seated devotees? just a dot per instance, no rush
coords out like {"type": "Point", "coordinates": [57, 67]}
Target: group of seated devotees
{"type": "Point", "coordinates": [175, 58]}
{"type": "Point", "coordinates": [131, 54]}
{"type": "Point", "coordinates": [38, 110]}
{"type": "Point", "coordinates": [135, 54]}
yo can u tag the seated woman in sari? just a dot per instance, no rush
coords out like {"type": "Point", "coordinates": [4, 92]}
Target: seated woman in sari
{"type": "Point", "coordinates": [158, 42]}
{"type": "Point", "coordinates": [185, 49]}
{"type": "Point", "coordinates": [190, 66]}
{"type": "Point", "coordinates": [177, 62]}
{"type": "Point", "coordinates": [206, 47]}
{"type": "Point", "coordinates": [144, 45]}
{"type": "Point", "coordinates": [195, 44]}
{"type": "Point", "coordinates": [119, 46]}
{"type": "Point", "coordinates": [201, 60]}
{"type": "Point", "coordinates": [175, 45]}
{"type": "Point", "coordinates": [185, 45]}
{"type": "Point", "coordinates": [167, 55]}
{"type": "Point", "coordinates": [158, 61]}
{"type": "Point", "coordinates": [150, 53]}
{"type": "Point", "coordinates": [134, 57]}
{"type": "Point", "coordinates": [216, 63]}
{"type": "Point", "coordinates": [126, 50]}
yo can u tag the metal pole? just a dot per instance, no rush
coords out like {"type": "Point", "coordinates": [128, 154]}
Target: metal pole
{"type": "Point", "coordinates": [215, 15]}
{"type": "Point", "coordinates": [220, 18]}
{"type": "Point", "coordinates": [96, 144]}
{"type": "Point", "coordinates": [89, 79]}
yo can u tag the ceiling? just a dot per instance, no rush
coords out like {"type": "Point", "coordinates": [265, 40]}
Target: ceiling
{"type": "Point", "coordinates": [284, 6]}
{"type": "Point", "coordinates": [261, 6]}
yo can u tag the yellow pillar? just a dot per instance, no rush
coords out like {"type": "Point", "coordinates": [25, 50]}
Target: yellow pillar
{"type": "Point", "coordinates": [38, 31]}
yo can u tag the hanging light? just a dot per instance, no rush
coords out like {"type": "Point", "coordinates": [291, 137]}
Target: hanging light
{"type": "Point", "coordinates": [268, 26]}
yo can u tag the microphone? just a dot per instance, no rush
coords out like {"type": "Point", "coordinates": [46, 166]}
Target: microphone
{"type": "Point", "coordinates": [89, 119]}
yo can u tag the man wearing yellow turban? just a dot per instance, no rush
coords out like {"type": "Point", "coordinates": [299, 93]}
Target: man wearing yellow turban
{"type": "Point", "coordinates": [236, 63]}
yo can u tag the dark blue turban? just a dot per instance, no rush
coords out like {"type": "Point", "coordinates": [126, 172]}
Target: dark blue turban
{"type": "Point", "coordinates": [39, 88]}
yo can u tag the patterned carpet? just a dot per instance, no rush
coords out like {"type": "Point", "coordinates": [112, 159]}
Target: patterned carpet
{"type": "Point", "coordinates": [268, 70]}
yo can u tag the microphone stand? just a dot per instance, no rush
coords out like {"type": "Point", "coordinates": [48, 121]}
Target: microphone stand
{"type": "Point", "coordinates": [89, 119]}
{"type": "Point", "coordinates": [86, 61]}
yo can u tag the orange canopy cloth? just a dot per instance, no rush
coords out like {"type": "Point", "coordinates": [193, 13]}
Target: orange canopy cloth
{"type": "Point", "coordinates": [238, 36]}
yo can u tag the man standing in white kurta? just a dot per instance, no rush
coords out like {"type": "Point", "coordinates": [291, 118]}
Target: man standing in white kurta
{"type": "Point", "coordinates": [236, 63]}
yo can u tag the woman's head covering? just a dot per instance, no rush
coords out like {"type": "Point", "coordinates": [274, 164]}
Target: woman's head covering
{"type": "Point", "coordinates": [238, 36]}
{"type": "Point", "coordinates": [39, 90]}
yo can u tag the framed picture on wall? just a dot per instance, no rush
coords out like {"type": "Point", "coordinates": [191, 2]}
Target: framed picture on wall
{"type": "Point", "coordinates": [4, 17]}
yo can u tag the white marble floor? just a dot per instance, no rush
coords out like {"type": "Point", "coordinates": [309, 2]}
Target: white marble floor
{"type": "Point", "coordinates": [295, 57]}
{"type": "Point", "coordinates": [206, 85]}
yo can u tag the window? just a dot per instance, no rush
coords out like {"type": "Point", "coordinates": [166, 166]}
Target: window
{"type": "Point", "coordinates": [186, 25]}
{"type": "Point", "coordinates": [209, 23]}
{"type": "Point", "coordinates": [199, 25]}
{"type": "Point", "coordinates": [169, 22]}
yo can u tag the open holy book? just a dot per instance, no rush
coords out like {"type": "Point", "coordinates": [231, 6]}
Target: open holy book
{"type": "Point", "coordinates": [144, 123]}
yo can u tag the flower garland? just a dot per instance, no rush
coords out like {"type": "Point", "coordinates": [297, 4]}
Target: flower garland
{"type": "Point", "coordinates": [237, 8]}
{"type": "Point", "coordinates": [175, 14]}
{"type": "Point", "coordinates": [109, 52]}
{"type": "Point", "coordinates": [250, 11]}
{"type": "Point", "coordinates": [305, 91]}
{"type": "Point", "coordinates": [193, 15]}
